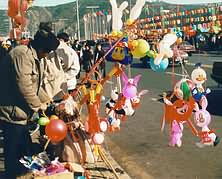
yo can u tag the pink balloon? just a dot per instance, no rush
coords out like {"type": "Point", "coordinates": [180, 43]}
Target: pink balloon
{"type": "Point", "coordinates": [129, 91]}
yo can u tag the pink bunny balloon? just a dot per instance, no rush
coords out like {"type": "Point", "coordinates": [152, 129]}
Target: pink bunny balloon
{"type": "Point", "coordinates": [130, 86]}
{"type": "Point", "coordinates": [176, 134]}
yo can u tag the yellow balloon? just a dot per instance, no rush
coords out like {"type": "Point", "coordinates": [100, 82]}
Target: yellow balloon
{"type": "Point", "coordinates": [114, 33]}
{"type": "Point", "coordinates": [129, 21]}
{"type": "Point", "coordinates": [141, 48]}
{"type": "Point", "coordinates": [119, 34]}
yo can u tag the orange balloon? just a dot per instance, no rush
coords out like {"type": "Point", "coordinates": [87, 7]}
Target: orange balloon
{"type": "Point", "coordinates": [56, 130]}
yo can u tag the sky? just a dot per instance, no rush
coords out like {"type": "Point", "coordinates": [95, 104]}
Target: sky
{"type": "Point", "coordinates": [3, 3]}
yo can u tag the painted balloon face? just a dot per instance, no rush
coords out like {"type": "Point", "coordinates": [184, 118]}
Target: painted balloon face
{"type": "Point", "coordinates": [198, 76]}
{"type": "Point", "coordinates": [180, 110]}
{"type": "Point", "coordinates": [118, 53]}
{"type": "Point", "coordinates": [202, 118]}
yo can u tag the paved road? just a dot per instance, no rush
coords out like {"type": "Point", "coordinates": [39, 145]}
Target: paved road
{"type": "Point", "coordinates": [142, 149]}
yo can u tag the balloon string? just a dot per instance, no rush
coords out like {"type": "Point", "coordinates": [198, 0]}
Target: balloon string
{"type": "Point", "coordinates": [43, 114]}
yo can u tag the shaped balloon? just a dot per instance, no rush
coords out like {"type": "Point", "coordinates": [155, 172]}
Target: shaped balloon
{"type": "Point", "coordinates": [130, 85]}
{"type": "Point", "coordinates": [117, 14]}
{"type": "Point", "coordinates": [137, 8]}
{"type": "Point", "coordinates": [56, 130]}
{"type": "Point", "coordinates": [161, 67]}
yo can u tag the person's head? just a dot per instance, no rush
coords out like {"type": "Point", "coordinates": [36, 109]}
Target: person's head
{"type": "Point", "coordinates": [98, 46]}
{"type": "Point", "coordinates": [44, 42]}
{"type": "Point", "coordinates": [64, 37]}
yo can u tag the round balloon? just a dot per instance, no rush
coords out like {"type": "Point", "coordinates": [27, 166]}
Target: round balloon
{"type": "Point", "coordinates": [43, 121]}
{"type": "Point", "coordinates": [141, 48]}
{"type": "Point", "coordinates": [56, 130]}
{"type": "Point", "coordinates": [161, 67]}
{"type": "Point", "coordinates": [98, 138]}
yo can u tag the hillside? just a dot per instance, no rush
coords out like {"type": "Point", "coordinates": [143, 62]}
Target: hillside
{"type": "Point", "coordinates": [64, 16]}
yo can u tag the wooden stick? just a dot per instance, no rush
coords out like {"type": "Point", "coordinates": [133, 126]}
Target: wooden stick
{"type": "Point", "coordinates": [102, 155]}
{"type": "Point", "coordinates": [46, 144]}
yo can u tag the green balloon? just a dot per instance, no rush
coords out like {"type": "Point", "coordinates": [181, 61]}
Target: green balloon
{"type": "Point", "coordinates": [150, 53]}
{"type": "Point", "coordinates": [43, 121]}
{"type": "Point", "coordinates": [186, 90]}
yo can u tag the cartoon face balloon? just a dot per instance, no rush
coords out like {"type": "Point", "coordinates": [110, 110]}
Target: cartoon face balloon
{"type": "Point", "coordinates": [202, 118]}
{"type": "Point", "coordinates": [120, 54]}
{"type": "Point", "coordinates": [198, 76]}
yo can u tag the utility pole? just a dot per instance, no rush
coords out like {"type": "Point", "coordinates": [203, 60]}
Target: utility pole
{"type": "Point", "coordinates": [77, 16]}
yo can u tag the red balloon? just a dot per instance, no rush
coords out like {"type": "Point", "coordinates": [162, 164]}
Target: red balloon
{"type": "Point", "coordinates": [15, 33]}
{"type": "Point", "coordinates": [20, 20]}
{"type": "Point", "coordinates": [56, 130]}
{"type": "Point", "coordinates": [14, 7]}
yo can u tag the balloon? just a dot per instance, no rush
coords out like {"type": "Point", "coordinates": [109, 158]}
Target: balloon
{"type": "Point", "coordinates": [43, 121]}
{"type": "Point", "coordinates": [141, 49]}
{"type": "Point", "coordinates": [202, 118]}
{"type": "Point", "coordinates": [183, 88]}
{"type": "Point", "coordinates": [170, 38]}
{"type": "Point", "coordinates": [137, 8]}
{"type": "Point", "coordinates": [158, 59]}
{"type": "Point", "coordinates": [130, 91]}
{"type": "Point", "coordinates": [53, 117]}
{"type": "Point", "coordinates": [161, 67]}
{"type": "Point", "coordinates": [56, 130]}
{"type": "Point", "coordinates": [103, 126]}
{"type": "Point", "coordinates": [15, 33]}
{"type": "Point", "coordinates": [129, 21]}
{"type": "Point", "coordinates": [20, 20]}
{"type": "Point", "coordinates": [98, 138]}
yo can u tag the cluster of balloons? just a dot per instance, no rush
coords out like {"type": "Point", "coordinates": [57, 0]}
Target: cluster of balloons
{"type": "Point", "coordinates": [55, 129]}
{"type": "Point", "coordinates": [17, 10]}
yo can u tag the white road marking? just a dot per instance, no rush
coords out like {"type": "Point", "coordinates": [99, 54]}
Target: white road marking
{"type": "Point", "coordinates": [203, 65]}
{"type": "Point", "coordinates": [177, 74]}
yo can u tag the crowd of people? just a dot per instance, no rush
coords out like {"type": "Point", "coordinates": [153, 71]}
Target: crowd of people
{"type": "Point", "coordinates": [35, 75]}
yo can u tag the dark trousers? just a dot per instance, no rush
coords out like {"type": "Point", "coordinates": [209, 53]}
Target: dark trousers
{"type": "Point", "coordinates": [17, 143]}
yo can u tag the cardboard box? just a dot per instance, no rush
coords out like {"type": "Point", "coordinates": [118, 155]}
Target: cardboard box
{"type": "Point", "coordinates": [64, 175]}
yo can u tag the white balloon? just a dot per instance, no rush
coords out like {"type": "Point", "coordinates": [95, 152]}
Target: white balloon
{"type": "Point", "coordinates": [158, 59]}
{"type": "Point", "coordinates": [103, 126]}
{"type": "Point", "coordinates": [170, 39]}
{"type": "Point", "coordinates": [98, 138]}
{"type": "Point", "coordinates": [137, 8]}
{"type": "Point", "coordinates": [117, 14]}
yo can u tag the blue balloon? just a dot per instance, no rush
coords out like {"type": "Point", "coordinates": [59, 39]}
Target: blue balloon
{"type": "Point", "coordinates": [161, 67]}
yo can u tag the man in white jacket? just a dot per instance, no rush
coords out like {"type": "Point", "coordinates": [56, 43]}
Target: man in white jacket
{"type": "Point", "coordinates": [69, 60]}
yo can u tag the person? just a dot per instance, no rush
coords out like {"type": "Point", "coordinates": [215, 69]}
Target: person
{"type": "Point", "coordinates": [22, 96]}
{"type": "Point", "coordinates": [98, 54]}
{"type": "Point", "coordinates": [69, 59]}
{"type": "Point", "coordinates": [87, 57]}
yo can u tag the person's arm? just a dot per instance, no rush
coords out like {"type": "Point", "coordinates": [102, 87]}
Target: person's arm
{"type": "Point", "coordinates": [23, 67]}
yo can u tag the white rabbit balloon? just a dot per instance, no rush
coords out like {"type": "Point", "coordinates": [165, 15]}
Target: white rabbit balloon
{"type": "Point", "coordinates": [137, 8]}
{"type": "Point", "coordinates": [117, 14]}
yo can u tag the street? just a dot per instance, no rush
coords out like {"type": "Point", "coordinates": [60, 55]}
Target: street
{"type": "Point", "coordinates": [143, 151]}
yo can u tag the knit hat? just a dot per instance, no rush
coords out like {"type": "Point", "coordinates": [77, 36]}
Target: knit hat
{"type": "Point", "coordinates": [45, 40]}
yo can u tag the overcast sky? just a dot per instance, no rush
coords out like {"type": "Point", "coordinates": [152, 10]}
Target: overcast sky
{"type": "Point", "coordinates": [3, 3]}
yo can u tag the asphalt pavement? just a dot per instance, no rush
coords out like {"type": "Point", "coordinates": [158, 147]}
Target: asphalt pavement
{"type": "Point", "coordinates": [143, 151]}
